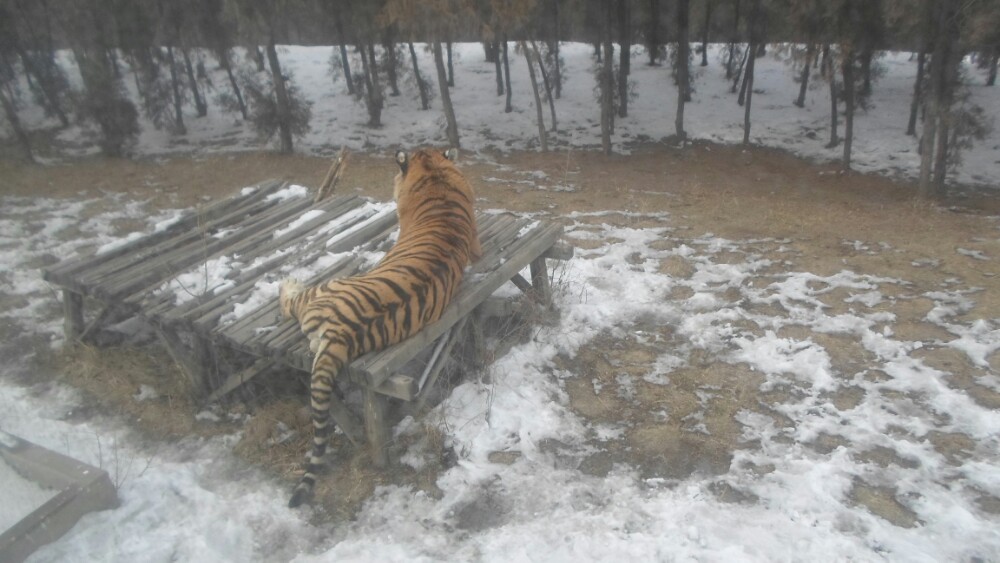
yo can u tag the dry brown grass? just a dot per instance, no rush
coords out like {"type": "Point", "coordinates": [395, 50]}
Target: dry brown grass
{"type": "Point", "coordinates": [112, 377]}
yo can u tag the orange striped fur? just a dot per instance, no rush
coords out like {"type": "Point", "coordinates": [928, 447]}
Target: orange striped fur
{"type": "Point", "coordinates": [408, 289]}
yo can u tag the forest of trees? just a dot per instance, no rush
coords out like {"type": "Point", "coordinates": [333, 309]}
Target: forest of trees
{"type": "Point", "coordinates": [168, 44]}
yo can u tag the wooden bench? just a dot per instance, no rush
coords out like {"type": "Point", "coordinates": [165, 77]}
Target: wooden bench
{"type": "Point", "coordinates": [222, 337]}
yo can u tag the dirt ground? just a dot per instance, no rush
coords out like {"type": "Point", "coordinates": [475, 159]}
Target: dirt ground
{"type": "Point", "coordinates": [829, 218]}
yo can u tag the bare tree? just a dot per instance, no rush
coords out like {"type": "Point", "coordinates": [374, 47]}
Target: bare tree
{"type": "Point", "coordinates": [755, 25]}
{"type": "Point", "coordinates": [9, 93]}
{"type": "Point", "coordinates": [704, 32]}
{"type": "Point", "coordinates": [421, 83]}
{"type": "Point", "coordinates": [287, 114]}
{"type": "Point", "coordinates": [653, 41]}
{"type": "Point", "coordinates": [624, 54]}
{"type": "Point", "coordinates": [681, 65]}
{"type": "Point", "coordinates": [607, 84]}
{"type": "Point", "coordinates": [529, 58]}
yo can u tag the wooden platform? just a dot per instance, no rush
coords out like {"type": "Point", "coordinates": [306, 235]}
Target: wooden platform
{"type": "Point", "coordinates": [224, 330]}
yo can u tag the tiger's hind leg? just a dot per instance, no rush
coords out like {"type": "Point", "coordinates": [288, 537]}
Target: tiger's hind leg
{"type": "Point", "coordinates": [326, 366]}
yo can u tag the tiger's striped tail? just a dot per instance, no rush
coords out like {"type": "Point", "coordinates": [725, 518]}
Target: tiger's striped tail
{"type": "Point", "coordinates": [327, 364]}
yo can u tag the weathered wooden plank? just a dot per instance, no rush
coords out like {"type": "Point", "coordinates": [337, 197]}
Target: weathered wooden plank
{"type": "Point", "coordinates": [540, 281]}
{"type": "Point", "coordinates": [186, 242]}
{"type": "Point", "coordinates": [186, 222]}
{"type": "Point", "coordinates": [334, 210]}
{"type": "Point", "coordinates": [156, 306]}
{"type": "Point", "coordinates": [559, 251]}
{"type": "Point", "coordinates": [240, 378]}
{"type": "Point", "coordinates": [399, 386]}
{"type": "Point", "coordinates": [437, 365]}
{"type": "Point", "coordinates": [523, 284]}
{"type": "Point", "coordinates": [73, 312]}
{"type": "Point", "coordinates": [109, 268]}
{"type": "Point", "coordinates": [374, 406]}
{"type": "Point", "coordinates": [206, 313]}
{"type": "Point", "coordinates": [160, 270]}
{"type": "Point", "coordinates": [109, 314]}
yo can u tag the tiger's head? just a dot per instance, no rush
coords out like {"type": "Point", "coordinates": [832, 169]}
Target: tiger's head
{"type": "Point", "coordinates": [420, 164]}
{"type": "Point", "coordinates": [287, 291]}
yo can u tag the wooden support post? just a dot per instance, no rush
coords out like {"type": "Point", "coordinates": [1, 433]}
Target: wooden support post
{"type": "Point", "coordinates": [109, 315]}
{"type": "Point", "coordinates": [345, 419]}
{"type": "Point", "coordinates": [375, 426]}
{"type": "Point", "coordinates": [73, 310]}
{"type": "Point", "coordinates": [235, 380]}
{"type": "Point", "coordinates": [183, 358]}
{"type": "Point", "coordinates": [454, 336]}
{"type": "Point", "coordinates": [540, 281]}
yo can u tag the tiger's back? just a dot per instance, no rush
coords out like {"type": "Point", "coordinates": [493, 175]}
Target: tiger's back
{"type": "Point", "coordinates": [408, 289]}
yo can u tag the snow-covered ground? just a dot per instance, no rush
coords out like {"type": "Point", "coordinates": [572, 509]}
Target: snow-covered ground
{"type": "Point", "coordinates": [838, 460]}
{"type": "Point", "coordinates": [880, 144]}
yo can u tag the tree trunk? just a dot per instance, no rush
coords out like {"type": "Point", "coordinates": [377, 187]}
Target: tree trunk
{"type": "Point", "coordinates": [199, 101]}
{"type": "Point", "coordinates": [259, 57]}
{"type": "Point", "coordinates": [373, 90]}
{"type": "Point", "coordinates": [10, 110]}
{"type": "Point", "coordinates": [732, 42]}
{"type": "Point", "coordinates": [528, 56]}
{"type": "Point", "coordinates": [624, 54]}
{"type": "Point", "coordinates": [831, 76]}
{"type": "Point", "coordinates": [506, 76]}
{"type": "Point", "coordinates": [653, 34]}
{"type": "Point", "coordinates": [991, 79]}
{"type": "Point", "coordinates": [45, 83]}
{"type": "Point", "coordinates": [740, 80]}
{"type": "Point", "coordinates": [704, 33]}
{"type": "Point", "coordinates": [175, 87]}
{"type": "Point", "coordinates": [943, 71]}
{"type": "Point", "coordinates": [804, 77]}
{"type": "Point", "coordinates": [911, 126]}
{"type": "Point", "coordinates": [390, 57]}
{"type": "Point", "coordinates": [607, 85]}
{"type": "Point", "coordinates": [847, 65]}
{"type": "Point", "coordinates": [941, 151]}
{"type": "Point", "coordinates": [866, 70]}
{"type": "Point", "coordinates": [683, 7]}
{"type": "Point", "coordinates": [749, 97]}
{"type": "Point", "coordinates": [224, 61]}
{"type": "Point", "coordinates": [489, 51]}
{"type": "Point", "coordinates": [421, 85]}
{"type": "Point", "coordinates": [451, 69]}
{"type": "Point", "coordinates": [281, 97]}
{"type": "Point", "coordinates": [557, 64]}
{"type": "Point", "coordinates": [498, 62]}
{"type": "Point", "coordinates": [449, 111]}
{"type": "Point", "coordinates": [744, 71]}
{"type": "Point", "coordinates": [547, 84]}
{"type": "Point", "coordinates": [345, 62]}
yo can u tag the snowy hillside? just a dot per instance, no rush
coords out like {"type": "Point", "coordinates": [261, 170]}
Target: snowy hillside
{"type": "Point", "coordinates": [816, 417]}
{"type": "Point", "coordinates": [337, 119]}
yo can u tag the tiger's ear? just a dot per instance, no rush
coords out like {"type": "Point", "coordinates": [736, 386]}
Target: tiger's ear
{"type": "Point", "coordinates": [451, 154]}
{"type": "Point", "coordinates": [403, 161]}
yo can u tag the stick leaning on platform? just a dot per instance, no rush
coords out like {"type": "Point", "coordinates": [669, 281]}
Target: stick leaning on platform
{"type": "Point", "coordinates": [332, 176]}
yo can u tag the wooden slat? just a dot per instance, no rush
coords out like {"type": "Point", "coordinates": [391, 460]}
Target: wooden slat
{"type": "Point", "coordinates": [110, 268]}
{"type": "Point", "coordinates": [186, 222]}
{"type": "Point", "coordinates": [163, 269]}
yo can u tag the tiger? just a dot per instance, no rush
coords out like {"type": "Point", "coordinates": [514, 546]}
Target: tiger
{"type": "Point", "coordinates": [408, 288]}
